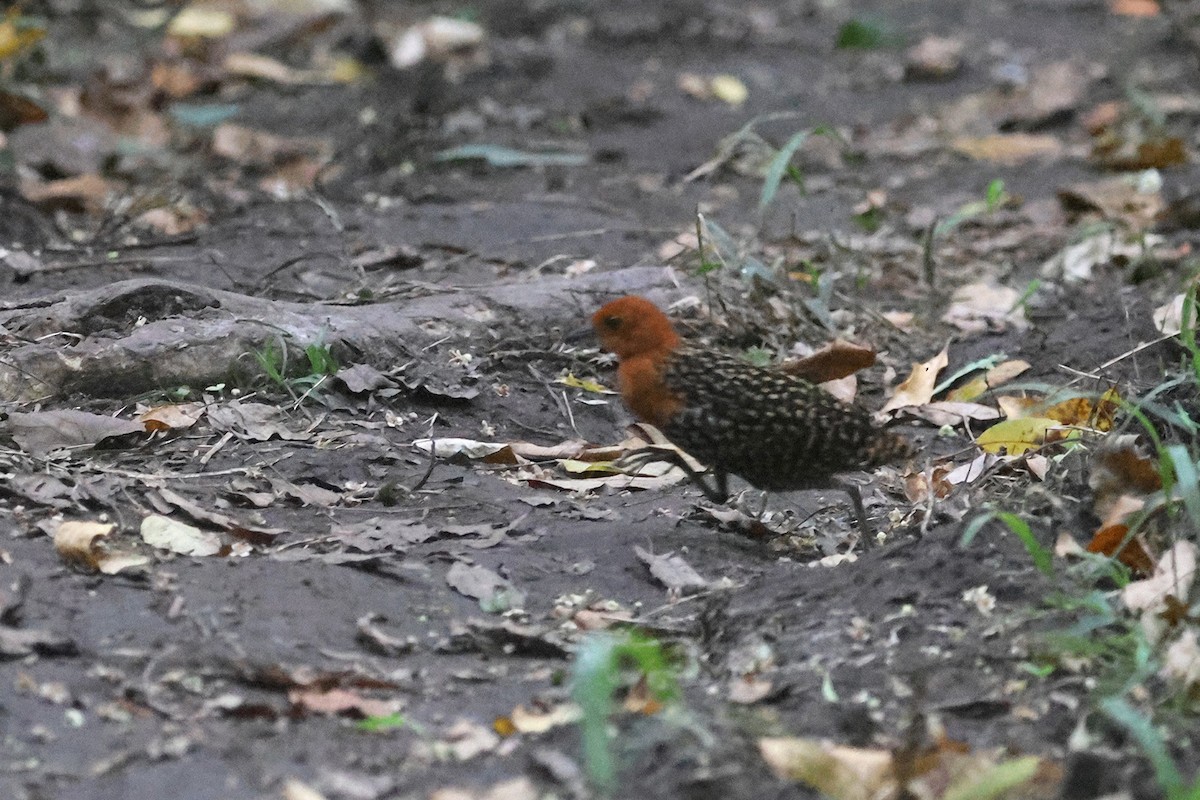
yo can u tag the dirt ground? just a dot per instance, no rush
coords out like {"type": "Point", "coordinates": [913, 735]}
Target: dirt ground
{"type": "Point", "coordinates": [344, 587]}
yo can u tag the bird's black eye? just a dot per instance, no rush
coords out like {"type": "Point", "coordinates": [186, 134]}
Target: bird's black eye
{"type": "Point", "coordinates": [612, 323]}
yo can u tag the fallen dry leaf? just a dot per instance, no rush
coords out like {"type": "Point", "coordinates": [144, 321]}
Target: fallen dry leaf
{"type": "Point", "coordinates": [341, 702]}
{"type": "Point", "coordinates": [672, 571]}
{"type": "Point", "coordinates": [81, 543]}
{"type": "Point", "coordinates": [41, 432]}
{"type": "Point", "coordinates": [836, 360]}
{"type": "Point", "coordinates": [1014, 437]}
{"type": "Point", "coordinates": [1008, 148]}
{"type": "Point", "coordinates": [76, 542]}
{"type": "Point", "coordinates": [173, 417]}
{"type": "Point", "coordinates": [1168, 318]}
{"type": "Point", "coordinates": [917, 388]}
{"type": "Point", "coordinates": [1181, 661]}
{"type": "Point", "coordinates": [179, 537]}
{"type": "Point", "coordinates": [985, 307]}
{"type": "Point", "coordinates": [1174, 576]}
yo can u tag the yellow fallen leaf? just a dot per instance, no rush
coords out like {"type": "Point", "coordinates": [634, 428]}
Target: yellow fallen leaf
{"type": "Point", "coordinates": [16, 35]}
{"type": "Point", "coordinates": [583, 383]}
{"type": "Point", "coordinates": [917, 388]}
{"type": "Point", "coordinates": [197, 22]}
{"type": "Point", "coordinates": [847, 773]}
{"type": "Point", "coordinates": [729, 89]}
{"type": "Point", "coordinates": [1016, 436]}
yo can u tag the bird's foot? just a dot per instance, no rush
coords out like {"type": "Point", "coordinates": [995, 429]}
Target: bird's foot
{"type": "Point", "coordinates": [639, 458]}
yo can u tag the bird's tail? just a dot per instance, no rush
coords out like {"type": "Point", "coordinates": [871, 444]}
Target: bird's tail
{"type": "Point", "coordinates": [889, 447]}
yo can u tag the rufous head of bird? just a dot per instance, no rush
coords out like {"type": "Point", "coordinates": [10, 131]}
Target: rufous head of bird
{"type": "Point", "coordinates": [632, 326]}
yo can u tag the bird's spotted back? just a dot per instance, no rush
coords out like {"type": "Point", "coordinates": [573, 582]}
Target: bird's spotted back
{"type": "Point", "coordinates": [777, 431]}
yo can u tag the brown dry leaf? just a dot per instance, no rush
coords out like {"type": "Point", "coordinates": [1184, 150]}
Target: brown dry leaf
{"type": "Point", "coordinates": [173, 220]}
{"type": "Point", "coordinates": [917, 388]}
{"type": "Point", "coordinates": [16, 109]}
{"type": "Point", "coordinates": [917, 484]}
{"type": "Point", "coordinates": [251, 147]}
{"type": "Point", "coordinates": [76, 542]}
{"type": "Point", "coordinates": [1083, 412]}
{"type": "Point", "coordinates": [87, 192]}
{"type": "Point", "coordinates": [1008, 148]}
{"type": "Point", "coordinates": [946, 769]}
{"type": "Point", "coordinates": [341, 702]}
{"type": "Point", "coordinates": [42, 432]}
{"type": "Point", "coordinates": [1119, 468]}
{"type": "Point", "coordinates": [640, 700]}
{"type": "Point", "coordinates": [836, 360]}
{"type": "Point", "coordinates": [173, 417]}
{"type": "Point", "coordinates": [255, 421]}
{"type": "Point", "coordinates": [1135, 8]}
{"type": "Point", "coordinates": [1119, 199]}
{"type": "Point", "coordinates": [844, 773]}
{"type": "Point", "coordinates": [1173, 577]}
{"type": "Point", "coordinates": [1114, 540]}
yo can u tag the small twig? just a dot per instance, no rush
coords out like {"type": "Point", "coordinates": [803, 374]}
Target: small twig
{"type": "Point", "coordinates": [432, 457]}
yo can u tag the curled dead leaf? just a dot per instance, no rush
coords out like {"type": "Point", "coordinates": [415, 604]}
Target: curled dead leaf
{"type": "Point", "coordinates": [76, 541]}
{"type": "Point", "coordinates": [835, 360]}
{"type": "Point", "coordinates": [917, 388]}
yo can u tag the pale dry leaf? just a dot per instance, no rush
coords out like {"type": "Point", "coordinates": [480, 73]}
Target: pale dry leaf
{"type": "Point", "coordinates": [41, 432]}
{"type": "Point", "coordinates": [75, 541]}
{"type": "Point", "coordinates": [527, 720]}
{"type": "Point", "coordinates": [295, 789]}
{"type": "Point", "coordinates": [1168, 318]}
{"type": "Point", "coordinates": [179, 537]}
{"type": "Point", "coordinates": [985, 307]}
{"type": "Point", "coordinates": [1173, 577]}
{"type": "Point", "coordinates": [341, 702]}
{"type": "Point", "coordinates": [1181, 661]}
{"type": "Point", "coordinates": [172, 417]}
{"type": "Point", "coordinates": [672, 571]}
{"type": "Point", "coordinates": [1008, 148]}
{"type": "Point", "coordinates": [917, 388]}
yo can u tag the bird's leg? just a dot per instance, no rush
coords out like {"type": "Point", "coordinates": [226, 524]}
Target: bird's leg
{"type": "Point", "coordinates": [860, 513]}
{"type": "Point", "coordinates": [640, 458]}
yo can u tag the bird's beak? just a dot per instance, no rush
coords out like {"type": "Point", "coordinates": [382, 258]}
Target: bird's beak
{"type": "Point", "coordinates": [579, 335]}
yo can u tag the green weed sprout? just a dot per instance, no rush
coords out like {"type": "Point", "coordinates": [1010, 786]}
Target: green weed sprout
{"type": "Point", "coordinates": [597, 674]}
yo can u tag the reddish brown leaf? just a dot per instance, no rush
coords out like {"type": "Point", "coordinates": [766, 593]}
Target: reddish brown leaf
{"type": "Point", "coordinates": [835, 360]}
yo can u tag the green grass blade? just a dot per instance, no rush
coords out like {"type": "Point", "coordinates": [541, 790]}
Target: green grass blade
{"type": "Point", "coordinates": [595, 680]}
{"type": "Point", "coordinates": [778, 168]}
{"type": "Point", "coordinates": [1042, 558]}
{"type": "Point", "coordinates": [1141, 729]}
{"type": "Point", "coordinates": [995, 781]}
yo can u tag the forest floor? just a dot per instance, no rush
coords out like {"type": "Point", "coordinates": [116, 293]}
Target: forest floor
{"type": "Point", "coordinates": [254, 273]}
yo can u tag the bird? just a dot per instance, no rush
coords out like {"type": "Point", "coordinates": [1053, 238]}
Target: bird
{"type": "Point", "coordinates": [777, 431]}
